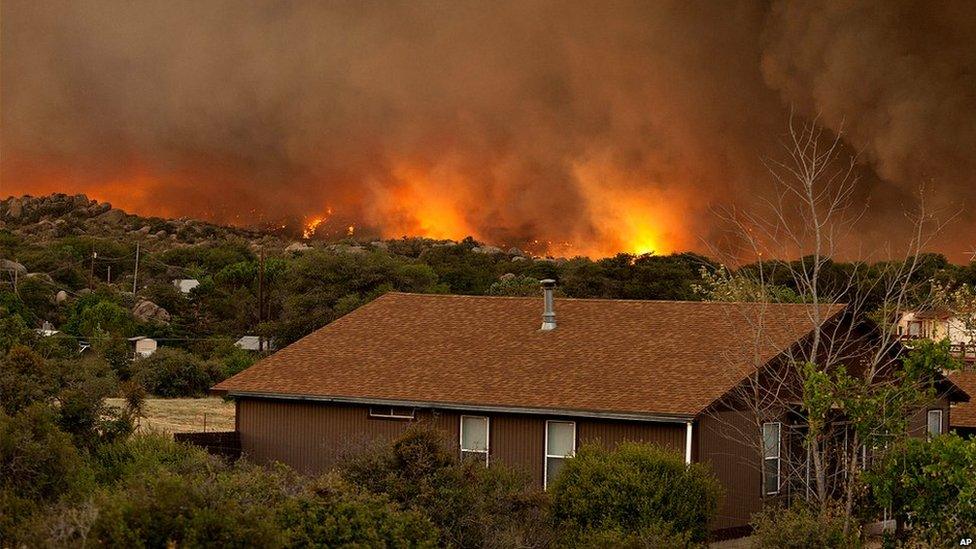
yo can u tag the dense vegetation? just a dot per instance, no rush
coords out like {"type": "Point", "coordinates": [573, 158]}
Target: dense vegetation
{"type": "Point", "coordinates": [303, 290]}
{"type": "Point", "coordinates": [72, 473]}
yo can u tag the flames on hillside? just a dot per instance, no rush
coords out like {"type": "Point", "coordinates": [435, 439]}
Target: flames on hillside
{"type": "Point", "coordinates": [412, 202]}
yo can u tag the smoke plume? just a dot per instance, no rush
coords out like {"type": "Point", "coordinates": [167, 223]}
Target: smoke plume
{"type": "Point", "coordinates": [577, 127]}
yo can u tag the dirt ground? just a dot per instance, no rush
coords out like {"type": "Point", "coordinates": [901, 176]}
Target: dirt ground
{"type": "Point", "coordinates": [180, 415]}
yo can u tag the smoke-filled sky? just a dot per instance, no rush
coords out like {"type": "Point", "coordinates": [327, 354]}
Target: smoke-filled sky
{"type": "Point", "coordinates": [594, 126]}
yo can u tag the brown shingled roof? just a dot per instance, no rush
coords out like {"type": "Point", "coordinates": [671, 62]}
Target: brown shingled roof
{"type": "Point", "coordinates": [635, 357]}
{"type": "Point", "coordinates": [964, 414]}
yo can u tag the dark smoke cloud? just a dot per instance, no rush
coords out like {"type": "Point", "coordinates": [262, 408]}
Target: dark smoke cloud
{"type": "Point", "coordinates": [529, 120]}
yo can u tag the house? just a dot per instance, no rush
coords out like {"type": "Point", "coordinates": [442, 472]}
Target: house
{"type": "Point", "coordinates": [184, 285]}
{"type": "Point", "coordinates": [254, 343]}
{"type": "Point", "coordinates": [963, 415]}
{"type": "Point", "coordinates": [143, 346]}
{"type": "Point", "coordinates": [938, 324]}
{"type": "Point", "coordinates": [46, 330]}
{"type": "Point", "coordinates": [481, 369]}
{"type": "Point", "coordinates": [960, 329]}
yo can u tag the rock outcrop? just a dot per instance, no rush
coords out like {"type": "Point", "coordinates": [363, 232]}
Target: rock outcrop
{"type": "Point", "coordinates": [147, 311]}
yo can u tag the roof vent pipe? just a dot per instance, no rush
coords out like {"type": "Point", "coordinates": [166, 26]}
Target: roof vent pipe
{"type": "Point", "coordinates": [549, 313]}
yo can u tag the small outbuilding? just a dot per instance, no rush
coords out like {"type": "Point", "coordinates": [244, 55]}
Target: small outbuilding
{"type": "Point", "coordinates": [144, 346]}
{"type": "Point", "coordinates": [184, 285]}
{"type": "Point", "coordinates": [254, 343]}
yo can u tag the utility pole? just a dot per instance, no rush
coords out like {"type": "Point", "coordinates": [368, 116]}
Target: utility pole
{"type": "Point", "coordinates": [91, 270]}
{"type": "Point", "coordinates": [261, 299]}
{"type": "Point", "coordinates": [135, 273]}
{"type": "Point", "coordinates": [109, 274]}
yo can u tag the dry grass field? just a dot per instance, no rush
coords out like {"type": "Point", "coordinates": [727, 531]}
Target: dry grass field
{"type": "Point", "coordinates": [178, 415]}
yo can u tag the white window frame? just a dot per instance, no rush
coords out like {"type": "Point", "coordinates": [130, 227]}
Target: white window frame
{"type": "Point", "coordinates": [778, 457]}
{"type": "Point", "coordinates": [928, 422]}
{"type": "Point", "coordinates": [392, 414]}
{"type": "Point", "coordinates": [487, 449]}
{"type": "Point", "coordinates": [545, 460]}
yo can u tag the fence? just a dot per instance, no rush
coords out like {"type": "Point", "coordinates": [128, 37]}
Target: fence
{"type": "Point", "coordinates": [226, 444]}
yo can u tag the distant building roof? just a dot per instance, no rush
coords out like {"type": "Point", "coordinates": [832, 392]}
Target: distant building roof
{"type": "Point", "coordinates": [186, 284]}
{"type": "Point", "coordinates": [253, 343]}
{"type": "Point", "coordinates": [964, 414]}
{"type": "Point", "coordinates": [617, 356]}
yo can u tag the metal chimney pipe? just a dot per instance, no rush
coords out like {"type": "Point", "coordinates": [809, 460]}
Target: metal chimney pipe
{"type": "Point", "coordinates": [549, 313]}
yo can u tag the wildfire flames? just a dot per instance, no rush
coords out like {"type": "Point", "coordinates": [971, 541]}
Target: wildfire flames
{"type": "Point", "coordinates": [415, 202]}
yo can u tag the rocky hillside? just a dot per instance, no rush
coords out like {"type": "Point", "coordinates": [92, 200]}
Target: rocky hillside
{"type": "Point", "coordinates": [54, 216]}
{"type": "Point", "coordinates": [43, 219]}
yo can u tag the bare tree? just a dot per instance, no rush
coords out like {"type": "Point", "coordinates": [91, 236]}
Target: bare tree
{"type": "Point", "coordinates": [812, 215]}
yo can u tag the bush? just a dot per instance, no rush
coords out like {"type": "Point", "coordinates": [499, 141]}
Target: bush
{"type": "Point", "coordinates": [186, 511]}
{"type": "Point", "coordinates": [336, 514]}
{"type": "Point", "coordinates": [25, 378]}
{"type": "Point", "coordinates": [801, 526]}
{"type": "Point", "coordinates": [171, 372]}
{"type": "Point", "coordinates": [654, 537]}
{"type": "Point", "coordinates": [471, 505]}
{"type": "Point", "coordinates": [85, 384]}
{"type": "Point", "coordinates": [37, 460]}
{"type": "Point", "coordinates": [933, 482]}
{"type": "Point", "coordinates": [633, 488]}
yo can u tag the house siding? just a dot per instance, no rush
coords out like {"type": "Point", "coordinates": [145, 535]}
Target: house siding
{"type": "Point", "coordinates": [319, 435]}
{"type": "Point", "coordinates": [734, 462]}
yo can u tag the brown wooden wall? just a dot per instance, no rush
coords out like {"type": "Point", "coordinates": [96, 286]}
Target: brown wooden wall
{"type": "Point", "coordinates": [313, 436]}
{"type": "Point", "coordinates": [734, 462]}
{"type": "Point", "coordinates": [918, 426]}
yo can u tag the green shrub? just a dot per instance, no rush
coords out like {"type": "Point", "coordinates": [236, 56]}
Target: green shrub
{"type": "Point", "coordinates": [334, 513]}
{"type": "Point", "coordinates": [25, 378]}
{"type": "Point", "coordinates": [37, 460]}
{"type": "Point", "coordinates": [473, 506]}
{"type": "Point", "coordinates": [934, 483]}
{"type": "Point", "coordinates": [633, 488]}
{"type": "Point", "coordinates": [14, 331]}
{"type": "Point", "coordinates": [184, 510]}
{"type": "Point", "coordinates": [800, 527]}
{"type": "Point", "coordinates": [659, 536]}
{"type": "Point", "coordinates": [171, 372]}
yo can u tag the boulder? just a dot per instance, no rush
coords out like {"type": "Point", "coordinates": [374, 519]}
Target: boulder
{"type": "Point", "coordinates": [15, 207]}
{"type": "Point", "coordinates": [297, 247]}
{"type": "Point", "coordinates": [112, 217]}
{"type": "Point", "coordinates": [486, 250]}
{"type": "Point", "coordinates": [515, 251]}
{"type": "Point", "coordinates": [43, 276]}
{"type": "Point", "coordinates": [61, 297]}
{"type": "Point", "coordinates": [147, 311]}
{"type": "Point", "coordinates": [12, 267]}
{"type": "Point", "coordinates": [519, 258]}
{"type": "Point", "coordinates": [507, 276]}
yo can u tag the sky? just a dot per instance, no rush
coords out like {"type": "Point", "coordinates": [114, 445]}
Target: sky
{"type": "Point", "coordinates": [567, 127]}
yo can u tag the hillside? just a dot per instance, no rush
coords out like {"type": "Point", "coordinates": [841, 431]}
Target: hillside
{"type": "Point", "coordinates": [89, 270]}
{"type": "Point", "coordinates": [46, 218]}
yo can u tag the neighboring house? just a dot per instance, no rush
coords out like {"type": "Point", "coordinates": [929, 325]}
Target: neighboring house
{"type": "Point", "coordinates": [143, 346]}
{"type": "Point", "coordinates": [960, 330]}
{"type": "Point", "coordinates": [254, 343]}
{"type": "Point", "coordinates": [46, 330]}
{"type": "Point", "coordinates": [963, 416]}
{"type": "Point", "coordinates": [184, 285]}
{"type": "Point", "coordinates": [481, 369]}
{"type": "Point", "coordinates": [939, 324]}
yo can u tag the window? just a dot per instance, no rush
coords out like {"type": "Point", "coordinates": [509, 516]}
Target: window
{"type": "Point", "coordinates": [560, 445]}
{"type": "Point", "coordinates": [390, 412]}
{"type": "Point", "coordinates": [474, 438]}
{"type": "Point", "coordinates": [914, 328]}
{"type": "Point", "coordinates": [771, 461]}
{"type": "Point", "coordinates": [935, 422]}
